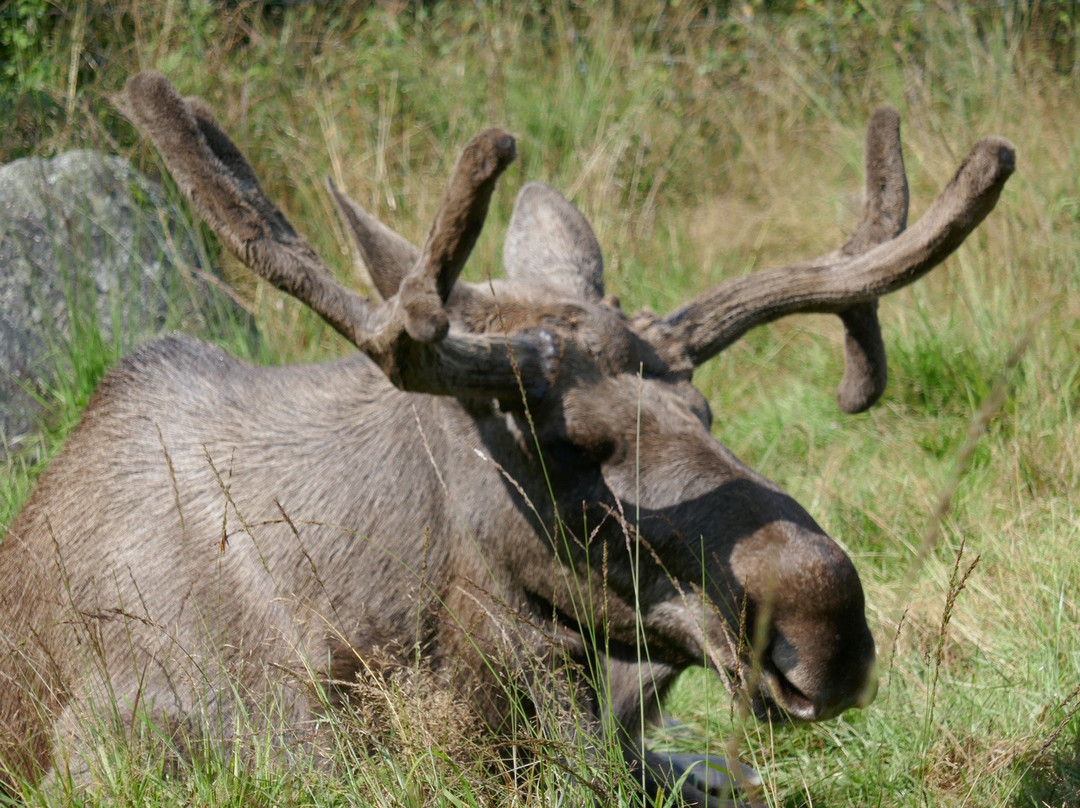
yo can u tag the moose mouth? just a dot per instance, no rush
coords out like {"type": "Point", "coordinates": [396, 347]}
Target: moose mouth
{"type": "Point", "coordinates": [777, 694]}
{"type": "Point", "coordinates": [769, 693]}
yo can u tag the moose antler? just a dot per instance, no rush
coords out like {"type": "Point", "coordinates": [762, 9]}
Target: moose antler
{"type": "Point", "coordinates": [881, 257]}
{"type": "Point", "coordinates": [408, 335]}
{"type": "Point", "coordinates": [884, 217]}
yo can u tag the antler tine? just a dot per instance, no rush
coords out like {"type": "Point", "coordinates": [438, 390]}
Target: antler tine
{"type": "Point", "coordinates": [885, 210]}
{"type": "Point", "coordinates": [838, 281]}
{"type": "Point", "coordinates": [456, 228]}
{"type": "Point", "coordinates": [397, 334]}
{"type": "Point", "coordinates": [223, 188]}
{"type": "Point", "coordinates": [388, 257]}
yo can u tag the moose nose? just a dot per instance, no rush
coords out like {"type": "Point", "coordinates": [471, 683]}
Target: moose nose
{"type": "Point", "coordinates": [789, 697]}
{"type": "Point", "coordinates": [857, 688]}
{"type": "Point", "coordinates": [831, 707]}
{"type": "Point", "coordinates": [813, 692]}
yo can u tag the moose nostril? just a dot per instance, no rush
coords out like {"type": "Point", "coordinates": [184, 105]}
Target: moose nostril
{"type": "Point", "coordinates": [789, 696]}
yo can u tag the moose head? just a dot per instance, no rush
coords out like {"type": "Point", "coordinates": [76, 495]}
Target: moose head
{"type": "Point", "coordinates": [518, 467]}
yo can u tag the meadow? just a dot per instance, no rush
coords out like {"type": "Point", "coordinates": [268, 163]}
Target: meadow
{"type": "Point", "coordinates": [702, 140]}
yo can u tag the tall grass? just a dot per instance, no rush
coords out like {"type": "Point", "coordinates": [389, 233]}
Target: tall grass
{"type": "Point", "coordinates": [702, 141]}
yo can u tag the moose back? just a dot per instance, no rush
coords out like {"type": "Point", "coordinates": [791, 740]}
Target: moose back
{"type": "Point", "coordinates": [515, 481]}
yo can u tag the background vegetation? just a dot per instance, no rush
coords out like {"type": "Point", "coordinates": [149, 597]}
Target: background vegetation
{"type": "Point", "coordinates": [702, 140]}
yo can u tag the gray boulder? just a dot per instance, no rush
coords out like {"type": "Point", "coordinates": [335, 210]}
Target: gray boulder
{"type": "Point", "coordinates": [90, 251]}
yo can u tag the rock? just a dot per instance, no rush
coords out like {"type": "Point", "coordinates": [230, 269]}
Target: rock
{"type": "Point", "coordinates": [89, 247]}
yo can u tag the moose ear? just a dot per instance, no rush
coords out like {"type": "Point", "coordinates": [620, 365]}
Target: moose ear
{"type": "Point", "coordinates": [387, 256]}
{"type": "Point", "coordinates": [550, 242]}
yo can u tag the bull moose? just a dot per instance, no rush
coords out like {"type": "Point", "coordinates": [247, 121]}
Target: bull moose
{"type": "Point", "coordinates": [513, 481]}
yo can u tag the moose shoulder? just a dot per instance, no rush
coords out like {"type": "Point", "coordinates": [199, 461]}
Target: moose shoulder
{"type": "Point", "coordinates": [516, 481]}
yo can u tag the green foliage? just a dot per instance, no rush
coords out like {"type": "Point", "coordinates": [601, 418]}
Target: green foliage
{"type": "Point", "coordinates": [81, 359]}
{"type": "Point", "coordinates": [25, 25]}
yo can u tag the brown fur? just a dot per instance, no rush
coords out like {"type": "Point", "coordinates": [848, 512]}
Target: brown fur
{"type": "Point", "coordinates": [559, 506]}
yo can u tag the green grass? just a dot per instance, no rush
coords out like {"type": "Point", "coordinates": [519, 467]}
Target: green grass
{"type": "Point", "coordinates": [702, 143]}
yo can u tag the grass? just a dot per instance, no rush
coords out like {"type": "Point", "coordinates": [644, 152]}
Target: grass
{"type": "Point", "coordinates": [703, 141]}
